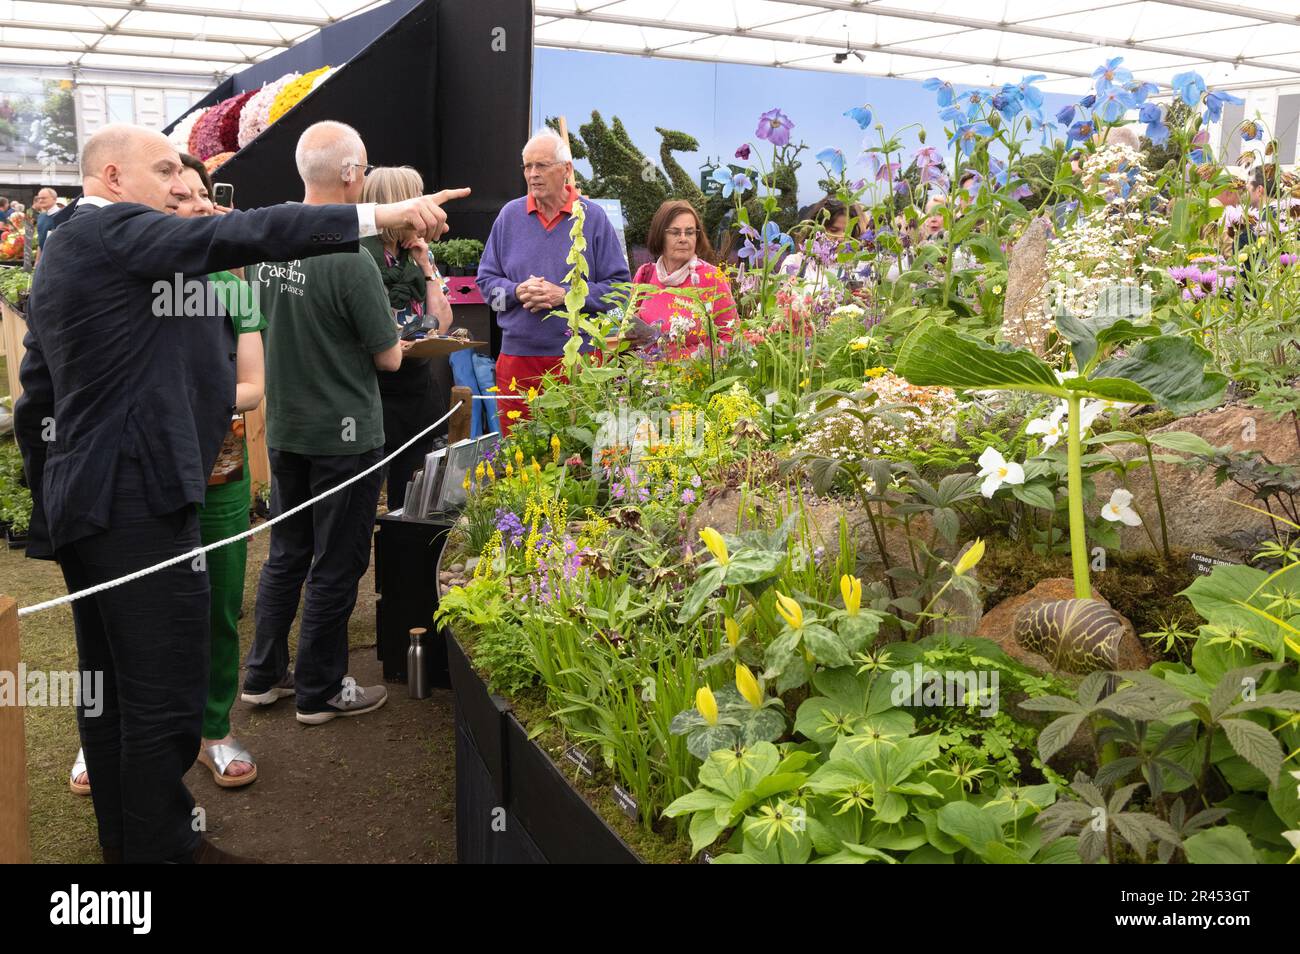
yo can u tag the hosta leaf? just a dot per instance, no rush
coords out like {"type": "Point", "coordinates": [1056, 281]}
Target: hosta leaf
{"type": "Point", "coordinates": [1172, 368]}
{"type": "Point", "coordinates": [934, 354]}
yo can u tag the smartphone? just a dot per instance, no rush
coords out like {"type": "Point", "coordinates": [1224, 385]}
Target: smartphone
{"type": "Point", "coordinates": [223, 194]}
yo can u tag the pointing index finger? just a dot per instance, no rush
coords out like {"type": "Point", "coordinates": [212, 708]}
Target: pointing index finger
{"type": "Point", "coordinates": [447, 195]}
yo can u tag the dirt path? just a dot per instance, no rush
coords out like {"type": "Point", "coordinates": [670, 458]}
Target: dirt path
{"type": "Point", "coordinates": [376, 788]}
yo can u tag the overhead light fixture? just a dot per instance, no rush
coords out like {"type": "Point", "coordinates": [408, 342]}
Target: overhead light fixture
{"type": "Point", "coordinates": [843, 56]}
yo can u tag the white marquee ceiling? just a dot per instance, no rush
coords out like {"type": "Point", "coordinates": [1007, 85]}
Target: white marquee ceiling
{"type": "Point", "coordinates": [978, 42]}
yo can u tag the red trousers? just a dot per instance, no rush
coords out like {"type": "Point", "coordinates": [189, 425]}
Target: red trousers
{"type": "Point", "coordinates": [526, 371]}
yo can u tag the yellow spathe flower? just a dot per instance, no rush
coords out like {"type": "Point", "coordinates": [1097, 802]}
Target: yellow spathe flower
{"type": "Point", "coordinates": [748, 686]}
{"type": "Point", "coordinates": [733, 631]}
{"type": "Point", "coordinates": [851, 590]}
{"type": "Point", "coordinates": [717, 546]}
{"type": "Point", "coordinates": [790, 610]}
{"type": "Point", "coordinates": [707, 705]}
{"type": "Point", "coordinates": [970, 558]}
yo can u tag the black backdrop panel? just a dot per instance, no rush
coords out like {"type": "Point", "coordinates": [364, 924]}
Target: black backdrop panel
{"type": "Point", "coordinates": [485, 70]}
{"type": "Point", "coordinates": [429, 92]}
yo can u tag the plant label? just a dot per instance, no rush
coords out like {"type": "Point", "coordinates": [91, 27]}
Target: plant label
{"type": "Point", "coordinates": [626, 803]}
{"type": "Point", "coordinates": [1203, 565]}
{"type": "Point", "coordinates": [577, 757]}
{"type": "Point", "coordinates": [705, 858]}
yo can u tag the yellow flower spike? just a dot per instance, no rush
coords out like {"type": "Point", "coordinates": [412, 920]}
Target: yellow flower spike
{"type": "Point", "coordinates": [851, 590]}
{"type": "Point", "coordinates": [519, 458]}
{"type": "Point", "coordinates": [465, 483]}
{"type": "Point", "coordinates": [707, 705]}
{"type": "Point", "coordinates": [733, 631]}
{"type": "Point", "coordinates": [555, 448]}
{"type": "Point", "coordinates": [717, 546]}
{"type": "Point", "coordinates": [537, 468]}
{"type": "Point", "coordinates": [970, 558]}
{"type": "Point", "coordinates": [748, 686]}
{"type": "Point", "coordinates": [510, 469]}
{"type": "Point", "coordinates": [790, 610]}
{"type": "Point", "coordinates": [492, 475]}
{"type": "Point", "coordinates": [480, 471]}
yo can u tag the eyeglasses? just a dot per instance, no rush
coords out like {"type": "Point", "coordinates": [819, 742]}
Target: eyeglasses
{"type": "Point", "coordinates": [365, 169]}
{"type": "Point", "coordinates": [539, 166]}
{"type": "Point", "coordinates": [681, 233]}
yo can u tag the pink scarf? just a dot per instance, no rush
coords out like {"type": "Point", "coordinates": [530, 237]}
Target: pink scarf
{"type": "Point", "coordinates": [678, 278]}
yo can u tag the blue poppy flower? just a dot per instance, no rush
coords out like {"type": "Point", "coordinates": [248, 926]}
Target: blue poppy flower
{"type": "Point", "coordinates": [1251, 130]}
{"type": "Point", "coordinates": [834, 160]}
{"type": "Point", "coordinates": [1080, 131]}
{"type": "Point", "coordinates": [1088, 101]}
{"type": "Point", "coordinates": [860, 115]}
{"type": "Point", "coordinates": [1110, 74]}
{"type": "Point", "coordinates": [773, 241]}
{"type": "Point", "coordinates": [774, 126]}
{"type": "Point", "coordinates": [1190, 87]}
{"type": "Point", "coordinates": [952, 114]}
{"type": "Point", "coordinates": [1029, 93]}
{"type": "Point", "coordinates": [945, 93]}
{"type": "Point", "coordinates": [1114, 103]}
{"type": "Point", "coordinates": [1140, 91]}
{"type": "Point", "coordinates": [1215, 102]}
{"type": "Point", "coordinates": [969, 134]}
{"type": "Point", "coordinates": [1154, 116]}
{"type": "Point", "coordinates": [975, 101]}
{"type": "Point", "coordinates": [1007, 102]}
{"type": "Point", "coordinates": [1066, 115]}
{"type": "Point", "coordinates": [731, 183]}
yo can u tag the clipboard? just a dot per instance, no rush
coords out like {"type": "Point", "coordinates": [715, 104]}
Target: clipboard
{"type": "Point", "coordinates": [435, 347]}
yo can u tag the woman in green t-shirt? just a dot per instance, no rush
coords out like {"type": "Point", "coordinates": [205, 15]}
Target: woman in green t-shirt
{"type": "Point", "coordinates": [224, 513]}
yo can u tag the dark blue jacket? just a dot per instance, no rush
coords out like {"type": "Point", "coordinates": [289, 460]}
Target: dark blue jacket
{"type": "Point", "coordinates": [104, 376]}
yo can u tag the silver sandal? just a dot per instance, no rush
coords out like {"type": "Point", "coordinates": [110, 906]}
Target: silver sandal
{"type": "Point", "coordinates": [78, 768]}
{"type": "Point", "coordinates": [217, 756]}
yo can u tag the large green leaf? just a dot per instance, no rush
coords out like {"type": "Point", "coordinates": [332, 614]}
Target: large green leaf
{"type": "Point", "coordinates": [1088, 336]}
{"type": "Point", "coordinates": [1111, 388]}
{"type": "Point", "coordinates": [1172, 368]}
{"type": "Point", "coordinates": [1225, 845]}
{"type": "Point", "coordinates": [1256, 745]}
{"type": "Point", "coordinates": [970, 826]}
{"type": "Point", "coordinates": [937, 355]}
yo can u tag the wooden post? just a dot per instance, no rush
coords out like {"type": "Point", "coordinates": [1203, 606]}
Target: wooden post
{"type": "Point", "coordinates": [259, 462]}
{"type": "Point", "coordinates": [14, 328]}
{"type": "Point", "coordinates": [15, 847]}
{"type": "Point", "coordinates": [458, 425]}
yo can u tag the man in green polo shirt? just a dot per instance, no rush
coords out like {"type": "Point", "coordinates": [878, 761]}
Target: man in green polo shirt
{"type": "Point", "coordinates": [329, 328]}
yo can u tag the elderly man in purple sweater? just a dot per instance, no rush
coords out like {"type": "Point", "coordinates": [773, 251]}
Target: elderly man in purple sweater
{"type": "Point", "coordinates": [523, 266]}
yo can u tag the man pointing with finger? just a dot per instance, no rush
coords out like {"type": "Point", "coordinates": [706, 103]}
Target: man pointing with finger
{"type": "Point", "coordinates": [121, 419]}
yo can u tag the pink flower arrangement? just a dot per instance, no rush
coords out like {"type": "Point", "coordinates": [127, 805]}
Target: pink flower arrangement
{"type": "Point", "coordinates": [256, 114]}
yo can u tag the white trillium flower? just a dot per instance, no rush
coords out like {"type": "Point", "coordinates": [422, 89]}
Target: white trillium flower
{"type": "Point", "coordinates": [1120, 508]}
{"type": "Point", "coordinates": [997, 470]}
{"type": "Point", "coordinates": [1049, 427]}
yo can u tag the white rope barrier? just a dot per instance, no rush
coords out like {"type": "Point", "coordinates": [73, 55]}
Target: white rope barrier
{"type": "Point", "coordinates": [192, 554]}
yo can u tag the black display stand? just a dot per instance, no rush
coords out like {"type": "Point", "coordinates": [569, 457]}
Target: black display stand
{"type": "Point", "coordinates": [406, 578]}
{"type": "Point", "coordinates": [443, 86]}
{"type": "Point", "coordinates": [513, 804]}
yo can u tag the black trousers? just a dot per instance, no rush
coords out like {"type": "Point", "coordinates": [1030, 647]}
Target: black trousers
{"type": "Point", "coordinates": [149, 638]}
{"type": "Point", "coordinates": [327, 546]}
{"type": "Point", "coordinates": [413, 397]}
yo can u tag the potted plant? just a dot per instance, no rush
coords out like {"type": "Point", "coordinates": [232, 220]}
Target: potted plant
{"type": "Point", "coordinates": [457, 257]}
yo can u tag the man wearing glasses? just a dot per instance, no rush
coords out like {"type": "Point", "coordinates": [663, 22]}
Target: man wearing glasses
{"type": "Point", "coordinates": [522, 270]}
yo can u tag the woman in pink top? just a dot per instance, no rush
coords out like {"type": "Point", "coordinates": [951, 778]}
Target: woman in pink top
{"type": "Point", "coordinates": [689, 281]}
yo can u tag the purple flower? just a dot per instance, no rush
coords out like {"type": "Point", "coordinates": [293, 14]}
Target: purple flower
{"type": "Point", "coordinates": [774, 126]}
{"type": "Point", "coordinates": [743, 152]}
{"type": "Point", "coordinates": [617, 491]}
{"type": "Point", "coordinates": [1079, 132]}
{"type": "Point", "coordinates": [695, 478]}
{"type": "Point", "coordinates": [1286, 259]}
{"type": "Point", "coordinates": [688, 496]}
{"type": "Point", "coordinates": [510, 526]}
{"type": "Point", "coordinates": [1088, 101]}
{"type": "Point", "coordinates": [1066, 115]}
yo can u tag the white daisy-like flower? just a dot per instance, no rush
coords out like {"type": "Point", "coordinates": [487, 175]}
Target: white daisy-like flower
{"type": "Point", "coordinates": [1120, 509]}
{"type": "Point", "coordinates": [997, 470]}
